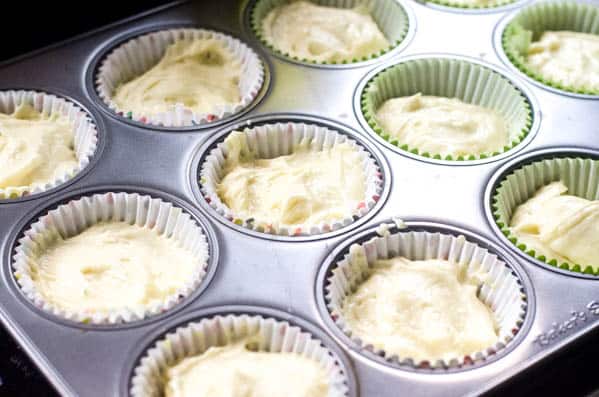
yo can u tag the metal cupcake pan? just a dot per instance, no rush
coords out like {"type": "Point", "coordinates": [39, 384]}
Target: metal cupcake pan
{"type": "Point", "coordinates": [283, 275]}
{"type": "Point", "coordinates": [502, 7]}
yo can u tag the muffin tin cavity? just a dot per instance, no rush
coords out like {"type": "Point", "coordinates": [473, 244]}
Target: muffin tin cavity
{"type": "Point", "coordinates": [517, 181]}
{"type": "Point", "coordinates": [505, 290]}
{"type": "Point", "coordinates": [279, 135]}
{"type": "Point", "coordinates": [393, 18]}
{"type": "Point", "coordinates": [515, 32]}
{"type": "Point", "coordinates": [131, 57]}
{"type": "Point", "coordinates": [466, 79]}
{"type": "Point", "coordinates": [462, 7]}
{"type": "Point", "coordinates": [72, 215]}
{"type": "Point", "coordinates": [196, 332]}
{"type": "Point", "coordinates": [87, 141]}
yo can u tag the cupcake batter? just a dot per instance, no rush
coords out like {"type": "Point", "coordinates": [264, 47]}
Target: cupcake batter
{"type": "Point", "coordinates": [112, 266]}
{"type": "Point", "coordinates": [199, 74]}
{"type": "Point", "coordinates": [306, 187]}
{"type": "Point", "coordinates": [323, 34]}
{"type": "Point", "coordinates": [235, 371]}
{"type": "Point", "coordinates": [35, 148]}
{"type": "Point", "coordinates": [570, 58]}
{"type": "Point", "coordinates": [445, 126]}
{"type": "Point", "coordinates": [559, 226]}
{"type": "Point", "coordinates": [425, 310]}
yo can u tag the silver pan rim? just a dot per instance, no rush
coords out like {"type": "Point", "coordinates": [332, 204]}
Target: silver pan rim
{"type": "Point", "coordinates": [474, 11]}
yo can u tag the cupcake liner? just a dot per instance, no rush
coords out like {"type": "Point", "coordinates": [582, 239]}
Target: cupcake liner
{"type": "Point", "coordinates": [530, 23]}
{"type": "Point", "coordinates": [279, 139]}
{"type": "Point", "coordinates": [72, 218]}
{"type": "Point", "coordinates": [390, 16]}
{"type": "Point", "coordinates": [502, 291]}
{"type": "Point", "coordinates": [580, 175]}
{"type": "Point", "coordinates": [85, 135]}
{"type": "Point", "coordinates": [195, 338]}
{"type": "Point", "coordinates": [451, 78]}
{"type": "Point", "coordinates": [136, 56]}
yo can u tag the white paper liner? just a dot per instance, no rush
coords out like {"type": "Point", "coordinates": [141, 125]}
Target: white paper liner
{"type": "Point", "coordinates": [85, 135]}
{"type": "Point", "coordinates": [138, 55]}
{"type": "Point", "coordinates": [279, 139]}
{"type": "Point", "coordinates": [72, 218]}
{"type": "Point", "coordinates": [502, 291]}
{"type": "Point", "coordinates": [195, 338]}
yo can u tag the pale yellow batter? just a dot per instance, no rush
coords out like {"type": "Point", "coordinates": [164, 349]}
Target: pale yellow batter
{"type": "Point", "coordinates": [425, 310]}
{"type": "Point", "coordinates": [35, 148]}
{"type": "Point", "coordinates": [318, 33]}
{"type": "Point", "coordinates": [306, 187]}
{"type": "Point", "coordinates": [112, 266]}
{"type": "Point", "coordinates": [199, 74]}
{"type": "Point", "coordinates": [559, 226]}
{"type": "Point", "coordinates": [236, 371]}
{"type": "Point", "coordinates": [570, 58]}
{"type": "Point", "coordinates": [445, 126]}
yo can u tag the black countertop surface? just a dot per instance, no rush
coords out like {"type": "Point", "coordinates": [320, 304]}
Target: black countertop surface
{"type": "Point", "coordinates": [18, 375]}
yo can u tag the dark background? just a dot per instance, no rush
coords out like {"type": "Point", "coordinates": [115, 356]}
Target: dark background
{"type": "Point", "coordinates": [574, 372]}
{"type": "Point", "coordinates": [42, 23]}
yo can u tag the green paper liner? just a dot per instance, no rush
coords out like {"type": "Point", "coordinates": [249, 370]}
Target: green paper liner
{"type": "Point", "coordinates": [454, 4]}
{"type": "Point", "coordinates": [579, 174]}
{"type": "Point", "coordinates": [390, 16]}
{"type": "Point", "coordinates": [451, 78]}
{"type": "Point", "coordinates": [530, 23]}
